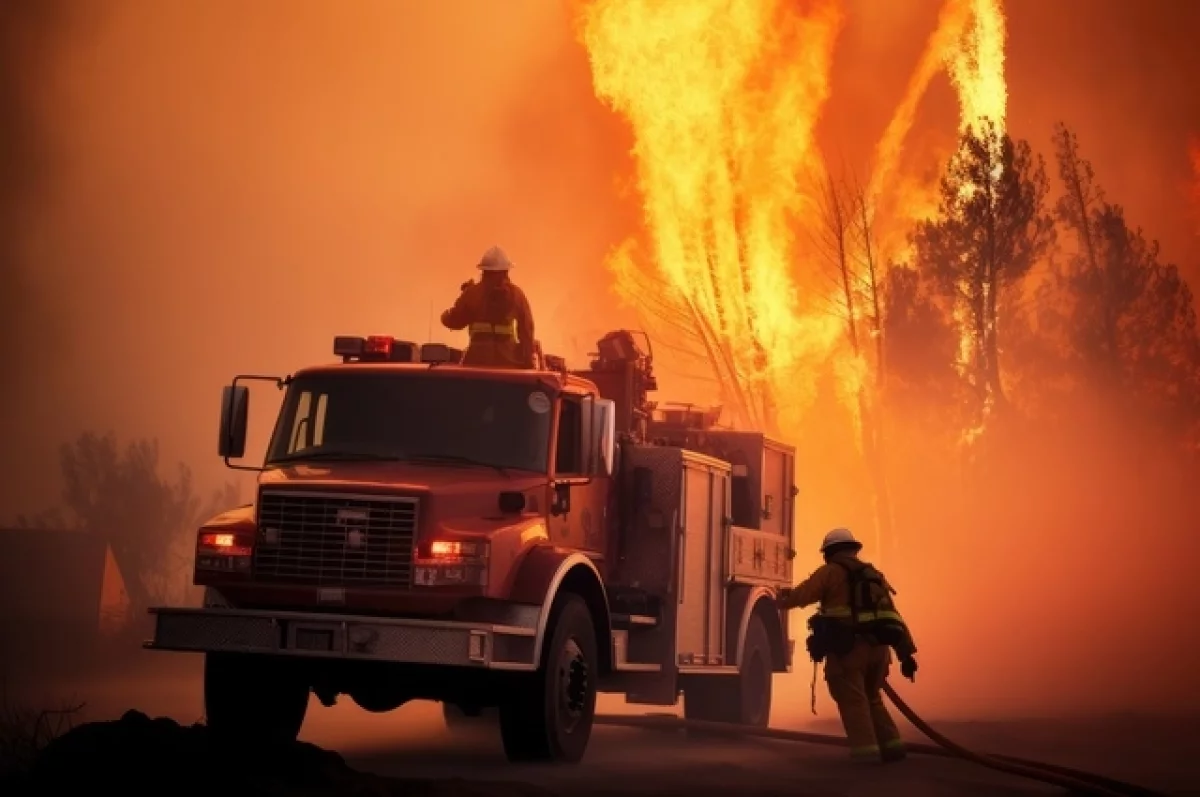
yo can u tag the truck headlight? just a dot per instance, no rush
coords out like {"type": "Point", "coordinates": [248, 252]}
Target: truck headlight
{"type": "Point", "coordinates": [452, 562]}
{"type": "Point", "coordinates": [225, 552]}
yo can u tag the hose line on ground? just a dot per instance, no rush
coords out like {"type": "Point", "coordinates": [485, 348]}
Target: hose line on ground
{"type": "Point", "coordinates": [1075, 781]}
{"type": "Point", "coordinates": [1016, 766]}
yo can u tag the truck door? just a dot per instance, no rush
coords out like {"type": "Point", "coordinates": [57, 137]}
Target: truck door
{"type": "Point", "coordinates": [701, 619]}
{"type": "Point", "coordinates": [583, 526]}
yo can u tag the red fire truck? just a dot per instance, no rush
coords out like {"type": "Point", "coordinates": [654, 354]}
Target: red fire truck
{"type": "Point", "coordinates": [516, 540]}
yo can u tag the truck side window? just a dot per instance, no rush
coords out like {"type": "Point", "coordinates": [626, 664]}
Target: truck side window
{"type": "Point", "coordinates": [308, 425]}
{"type": "Point", "coordinates": [567, 454]}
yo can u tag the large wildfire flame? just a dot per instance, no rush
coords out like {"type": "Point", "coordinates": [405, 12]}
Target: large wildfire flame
{"type": "Point", "coordinates": [723, 99]}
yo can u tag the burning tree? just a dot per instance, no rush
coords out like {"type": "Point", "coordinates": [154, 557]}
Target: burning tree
{"type": "Point", "coordinates": [990, 230]}
{"type": "Point", "coordinates": [846, 237]}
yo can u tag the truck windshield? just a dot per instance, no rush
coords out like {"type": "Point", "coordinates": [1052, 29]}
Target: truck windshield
{"type": "Point", "coordinates": [417, 417]}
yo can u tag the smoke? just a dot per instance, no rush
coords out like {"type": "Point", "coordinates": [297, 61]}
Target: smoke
{"type": "Point", "coordinates": [223, 188]}
{"type": "Point", "coordinates": [1194, 152]}
{"type": "Point", "coordinates": [1122, 75]}
{"type": "Point", "coordinates": [194, 190]}
{"type": "Point", "coordinates": [31, 35]}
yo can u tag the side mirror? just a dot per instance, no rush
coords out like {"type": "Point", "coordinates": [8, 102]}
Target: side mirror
{"type": "Point", "coordinates": [235, 413]}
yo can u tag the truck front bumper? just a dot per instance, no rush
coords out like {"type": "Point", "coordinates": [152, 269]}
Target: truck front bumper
{"type": "Point", "coordinates": [354, 637]}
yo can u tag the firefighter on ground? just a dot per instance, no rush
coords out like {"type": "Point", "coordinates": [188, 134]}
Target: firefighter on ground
{"type": "Point", "coordinates": [854, 631]}
{"type": "Point", "coordinates": [496, 314]}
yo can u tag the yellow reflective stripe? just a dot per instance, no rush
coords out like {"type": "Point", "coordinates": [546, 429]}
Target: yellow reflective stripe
{"type": "Point", "coordinates": [884, 615]}
{"type": "Point", "coordinates": [866, 751]}
{"type": "Point", "coordinates": [892, 744]}
{"type": "Point", "coordinates": [863, 617]}
{"type": "Point", "coordinates": [507, 329]}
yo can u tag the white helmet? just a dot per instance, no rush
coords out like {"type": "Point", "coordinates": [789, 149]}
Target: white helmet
{"type": "Point", "coordinates": [494, 259]}
{"type": "Point", "coordinates": [838, 537]}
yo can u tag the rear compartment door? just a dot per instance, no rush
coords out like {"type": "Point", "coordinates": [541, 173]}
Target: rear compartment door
{"type": "Point", "coordinates": [705, 502]}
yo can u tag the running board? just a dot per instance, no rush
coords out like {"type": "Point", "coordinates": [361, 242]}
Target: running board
{"type": "Point", "coordinates": [620, 651]}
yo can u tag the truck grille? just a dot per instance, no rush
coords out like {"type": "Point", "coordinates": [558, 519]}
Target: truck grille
{"type": "Point", "coordinates": [334, 540]}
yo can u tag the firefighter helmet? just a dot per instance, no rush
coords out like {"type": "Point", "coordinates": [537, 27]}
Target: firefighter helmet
{"type": "Point", "coordinates": [838, 537]}
{"type": "Point", "coordinates": [494, 259]}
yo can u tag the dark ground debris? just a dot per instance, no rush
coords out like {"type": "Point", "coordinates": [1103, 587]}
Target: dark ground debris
{"type": "Point", "coordinates": [160, 756]}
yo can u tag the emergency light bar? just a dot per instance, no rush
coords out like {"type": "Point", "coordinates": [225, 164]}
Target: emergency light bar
{"type": "Point", "coordinates": [376, 348]}
{"type": "Point", "coordinates": [440, 353]}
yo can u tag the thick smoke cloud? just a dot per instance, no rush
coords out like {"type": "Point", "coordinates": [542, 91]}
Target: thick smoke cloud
{"type": "Point", "coordinates": [232, 185]}
{"type": "Point", "coordinates": [192, 190]}
{"type": "Point", "coordinates": [30, 36]}
{"type": "Point", "coordinates": [1122, 75]}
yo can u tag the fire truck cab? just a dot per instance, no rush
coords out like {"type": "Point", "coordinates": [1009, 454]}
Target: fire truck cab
{"type": "Point", "coordinates": [491, 538]}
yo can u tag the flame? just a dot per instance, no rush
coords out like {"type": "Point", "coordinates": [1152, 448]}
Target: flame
{"type": "Point", "coordinates": [723, 99]}
{"type": "Point", "coordinates": [977, 66]}
{"type": "Point", "coordinates": [970, 42]}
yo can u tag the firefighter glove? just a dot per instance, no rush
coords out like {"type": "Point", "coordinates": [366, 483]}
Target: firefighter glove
{"type": "Point", "coordinates": [784, 598]}
{"type": "Point", "coordinates": [908, 668]}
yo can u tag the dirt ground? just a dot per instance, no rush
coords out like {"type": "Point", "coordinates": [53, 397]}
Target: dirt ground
{"type": "Point", "coordinates": [412, 744]}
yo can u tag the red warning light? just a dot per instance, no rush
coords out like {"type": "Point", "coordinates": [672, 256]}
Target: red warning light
{"type": "Point", "coordinates": [380, 345]}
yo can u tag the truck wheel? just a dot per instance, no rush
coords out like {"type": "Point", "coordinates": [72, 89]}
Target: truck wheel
{"type": "Point", "coordinates": [548, 715]}
{"type": "Point", "coordinates": [253, 698]}
{"type": "Point", "coordinates": [745, 698]}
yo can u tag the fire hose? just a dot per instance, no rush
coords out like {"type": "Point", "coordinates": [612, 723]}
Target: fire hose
{"type": "Point", "coordinates": [1073, 780]}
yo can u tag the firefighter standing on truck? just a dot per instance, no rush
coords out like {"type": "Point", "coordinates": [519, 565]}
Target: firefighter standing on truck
{"type": "Point", "coordinates": [496, 315]}
{"type": "Point", "coordinates": [856, 626]}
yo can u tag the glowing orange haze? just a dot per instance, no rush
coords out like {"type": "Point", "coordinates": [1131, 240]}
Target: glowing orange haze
{"type": "Point", "coordinates": [1194, 151]}
{"type": "Point", "coordinates": [230, 189]}
{"type": "Point", "coordinates": [724, 102]}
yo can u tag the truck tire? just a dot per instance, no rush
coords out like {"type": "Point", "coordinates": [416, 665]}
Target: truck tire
{"type": "Point", "coordinates": [254, 699]}
{"type": "Point", "coordinates": [745, 698]}
{"type": "Point", "coordinates": [548, 715]}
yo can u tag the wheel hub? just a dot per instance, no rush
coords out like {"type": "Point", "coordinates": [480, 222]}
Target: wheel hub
{"type": "Point", "coordinates": [577, 686]}
{"type": "Point", "coordinates": [574, 682]}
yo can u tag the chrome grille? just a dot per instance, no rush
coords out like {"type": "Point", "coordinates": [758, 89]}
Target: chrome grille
{"type": "Point", "coordinates": [332, 539]}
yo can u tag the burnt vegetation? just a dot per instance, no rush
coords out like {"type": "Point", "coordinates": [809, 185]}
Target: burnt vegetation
{"type": "Point", "coordinates": [1036, 366]}
{"type": "Point", "coordinates": [25, 733]}
{"type": "Point", "coordinates": [147, 514]}
{"type": "Point", "coordinates": [1054, 299]}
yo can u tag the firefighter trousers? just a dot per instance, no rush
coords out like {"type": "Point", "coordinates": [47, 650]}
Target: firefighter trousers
{"type": "Point", "coordinates": [855, 683]}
